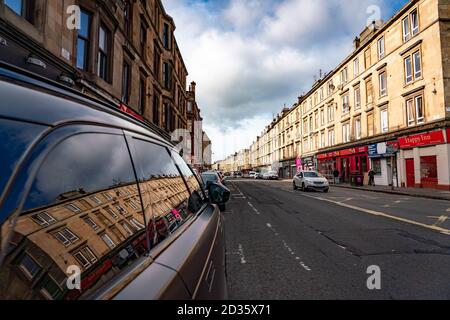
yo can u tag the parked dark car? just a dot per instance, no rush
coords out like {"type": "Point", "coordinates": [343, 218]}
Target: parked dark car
{"type": "Point", "coordinates": [92, 199]}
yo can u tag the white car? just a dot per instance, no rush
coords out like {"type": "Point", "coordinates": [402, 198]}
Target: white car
{"type": "Point", "coordinates": [252, 174]}
{"type": "Point", "coordinates": [311, 180]}
{"type": "Point", "coordinates": [270, 175]}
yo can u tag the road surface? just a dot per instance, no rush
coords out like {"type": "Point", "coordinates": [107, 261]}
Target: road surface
{"type": "Point", "coordinates": [286, 244]}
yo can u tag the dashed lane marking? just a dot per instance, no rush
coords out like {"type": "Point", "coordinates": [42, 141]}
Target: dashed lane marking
{"type": "Point", "coordinates": [254, 209]}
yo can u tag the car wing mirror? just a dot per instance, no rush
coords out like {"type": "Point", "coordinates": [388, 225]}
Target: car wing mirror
{"type": "Point", "coordinates": [218, 194]}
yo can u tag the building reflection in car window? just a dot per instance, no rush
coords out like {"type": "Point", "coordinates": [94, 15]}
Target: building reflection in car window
{"type": "Point", "coordinates": [83, 210]}
{"type": "Point", "coordinates": [165, 196]}
{"type": "Point", "coordinates": [16, 137]}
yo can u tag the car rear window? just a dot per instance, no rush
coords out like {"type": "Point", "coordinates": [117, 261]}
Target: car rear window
{"type": "Point", "coordinates": [15, 137]}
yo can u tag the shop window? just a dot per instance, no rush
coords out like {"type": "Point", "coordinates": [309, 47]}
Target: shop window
{"type": "Point", "coordinates": [376, 166]}
{"type": "Point", "coordinates": [428, 168]}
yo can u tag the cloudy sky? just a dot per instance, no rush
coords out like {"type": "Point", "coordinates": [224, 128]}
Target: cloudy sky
{"type": "Point", "coordinates": [249, 58]}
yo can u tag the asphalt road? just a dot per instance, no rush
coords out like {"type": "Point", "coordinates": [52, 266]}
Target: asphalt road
{"type": "Point", "coordinates": [286, 244]}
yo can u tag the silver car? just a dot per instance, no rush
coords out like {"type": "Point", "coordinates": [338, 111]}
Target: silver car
{"type": "Point", "coordinates": [311, 180]}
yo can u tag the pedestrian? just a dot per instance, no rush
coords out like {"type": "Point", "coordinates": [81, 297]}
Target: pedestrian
{"type": "Point", "coordinates": [335, 175]}
{"type": "Point", "coordinates": [371, 177]}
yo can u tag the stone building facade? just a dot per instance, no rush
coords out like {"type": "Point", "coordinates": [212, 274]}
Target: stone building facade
{"type": "Point", "coordinates": [385, 107]}
{"type": "Point", "coordinates": [120, 51]}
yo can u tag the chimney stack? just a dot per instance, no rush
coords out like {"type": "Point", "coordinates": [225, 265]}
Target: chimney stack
{"type": "Point", "coordinates": [356, 43]}
{"type": "Point", "coordinates": [192, 87]}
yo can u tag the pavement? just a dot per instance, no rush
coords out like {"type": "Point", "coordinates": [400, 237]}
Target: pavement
{"type": "Point", "coordinates": [286, 244]}
{"type": "Point", "coordinates": [413, 192]}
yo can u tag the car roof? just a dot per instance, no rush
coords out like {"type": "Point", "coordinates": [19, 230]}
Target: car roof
{"type": "Point", "coordinates": [27, 97]}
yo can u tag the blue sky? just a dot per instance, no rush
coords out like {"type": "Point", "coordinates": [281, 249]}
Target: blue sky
{"type": "Point", "coordinates": [252, 57]}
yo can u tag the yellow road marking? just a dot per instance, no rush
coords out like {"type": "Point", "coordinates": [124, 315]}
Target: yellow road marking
{"type": "Point", "coordinates": [382, 214]}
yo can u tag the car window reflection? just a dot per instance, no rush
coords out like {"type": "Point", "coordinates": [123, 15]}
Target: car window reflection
{"type": "Point", "coordinates": [83, 210]}
{"type": "Point", "coordinates": [166, 199]}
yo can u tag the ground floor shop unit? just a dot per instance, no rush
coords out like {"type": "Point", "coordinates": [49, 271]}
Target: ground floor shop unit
{"type": "Point", "coordinates": [424, 160]}
{"type": "Point", "coordinates": [339, 166]}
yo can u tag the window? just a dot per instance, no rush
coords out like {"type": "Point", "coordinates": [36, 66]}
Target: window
{"type": "Point", "coordinates": [406, 30]}
{"type": "Point", "coordinates": [322, 139]}
{"type": "Point", "coordinates": [345, 104]}
{"type": "Point", "coordinates": [428, 168]}
{"type": "Point", "coordinates": [50, 288]}
{"type": "Point", "coordinates": [23, 8]}
{"type": "Point", "coordinates": [166, 36]}
{"type": "Point", "coordinates": [143, 38]}
{"type": "Point", "coordinates": [369, 92]}
{"type": "Point", "coordinates": [126, 76]}
{"type": "Point", "coordinates": [381, 48]}
{"type": "Point", "coordinates": [331, 137]}
{"type": "Point", "coordinates": [356, 67]}
{"type": "Point", "coordinates": [103, 53]}
{"type": "Point", "coordinates": [357, 95]}
{"type": "Point", "coordinates": [316, 119]}
{"type": "Point", "coordinates": [370, 128]}
{"type": "Point", "coordinates": [166, 76]}
{"type": "Point", "coordinates": [376, 166]}
{"type": "Point", "coordinates": [330, 111]}
{"type": "Point", "coordinates": [367, 58]}
{"type": "Point", "coordinates": [66, 237]}
{"type": "Point", "coordinates": [137, 224]}
{"type": "Point", "coordinates": [384, 121]}
{"type": "Point", "coordinates": [29, 266]}
{"type": "Point", "coordinates": [346, 133]}
{"type": "Point", "coordinates": [121, 209]}
{"type": "Point", "coordinates": [96, 200]}
{"type": "Point", "coordinates": [414, 111]}
{"type": "Point", "coordinates": [91, 223]}
{"type": "Point", "coordinates": [83, 41]}
{"type": "Point", "coordinates": [322, 117]}
{"type": "Point", "coordinates": [330, 88]}
{"type": "Point", "coordinates": [72, 208]}
{"type": "Point", "coordinates": [112, 213]}
{"type": "Point", "coordinates": [410, 25]}
{"type": "Point", "coordinates": [127, 18]}
{"type": "Point", "coordinates": [132, 205]}
{"type": "Point", "coordinates": [107, 196]}
{"type": "Point", "coordinates": [344, 75]}
{"type": "Point", "coordinates": [168, 202]}
{"type": "Point", "coordinates": [383, 84]}
{"type": "Point", "coordinates": [156, 109]}
{"type": "Point", "coordinates": [127, 228]}
{"type": "Point", "coordinates": [414, 23]}
{"type": "Point", "coordinates": [109, 242]}
{"type": "Point", "coordinates": [43, 219]}
{"type": "Point", "coordinates": [142, 95]}
{"type": "Point", "coordinates": [85, 257]}
{"type": "Point", "coordinates": [417, 65]}
{"type": "Point", "coordinates": [413, 67]}
{"type": "Point", "coordinates": [358, 128]}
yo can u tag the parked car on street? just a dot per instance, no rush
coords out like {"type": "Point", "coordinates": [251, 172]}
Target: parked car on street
{"type": "Point", "coordinates": [270, 175]}
{"type": "Point", "coordinates": [91, 195]}
{"type": "Point", "coordinates": [310, 180]}
{"type": "Point", "coordinates": [252, 174]}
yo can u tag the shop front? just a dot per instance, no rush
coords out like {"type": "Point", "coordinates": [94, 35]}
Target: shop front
{"type": "Point", "coordinates": [383, 158]}
{"type": "Point", "coordinates": [344, 163]}
{"type": "Point", "coordinates": [308, 164]}
{"type": "Point", "coordinates": [424, 160]}
{"type": "Point", "coordinates": [287, 169]}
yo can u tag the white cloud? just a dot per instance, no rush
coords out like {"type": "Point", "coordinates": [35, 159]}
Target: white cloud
{"type": "Point", "coordinates": [250, 57]}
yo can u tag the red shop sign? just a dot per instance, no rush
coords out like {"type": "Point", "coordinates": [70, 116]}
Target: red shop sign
{"type": "Point", "coordinates": [423, 139]}
{"type": "Point", "coordinates": [345, 152]}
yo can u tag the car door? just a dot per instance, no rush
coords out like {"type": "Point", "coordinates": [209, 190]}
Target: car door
{"type": "Point", "coordinates": [185, 231]}
{"type": "Point", "coordinates": [79, 230]}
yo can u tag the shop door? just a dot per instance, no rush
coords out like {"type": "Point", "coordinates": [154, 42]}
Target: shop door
{"type": "Point", "coordinates": [410, 177]}
{"type": "Point", "coordinates": [345, 167]}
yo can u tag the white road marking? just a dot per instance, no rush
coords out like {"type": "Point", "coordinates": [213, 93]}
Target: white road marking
{"type": "Point", "coordinates": [254, 209]}
{"type": "Point", "coordinates": [241, 253]}
{"type": "Point", "coordinates": [381, 214]}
